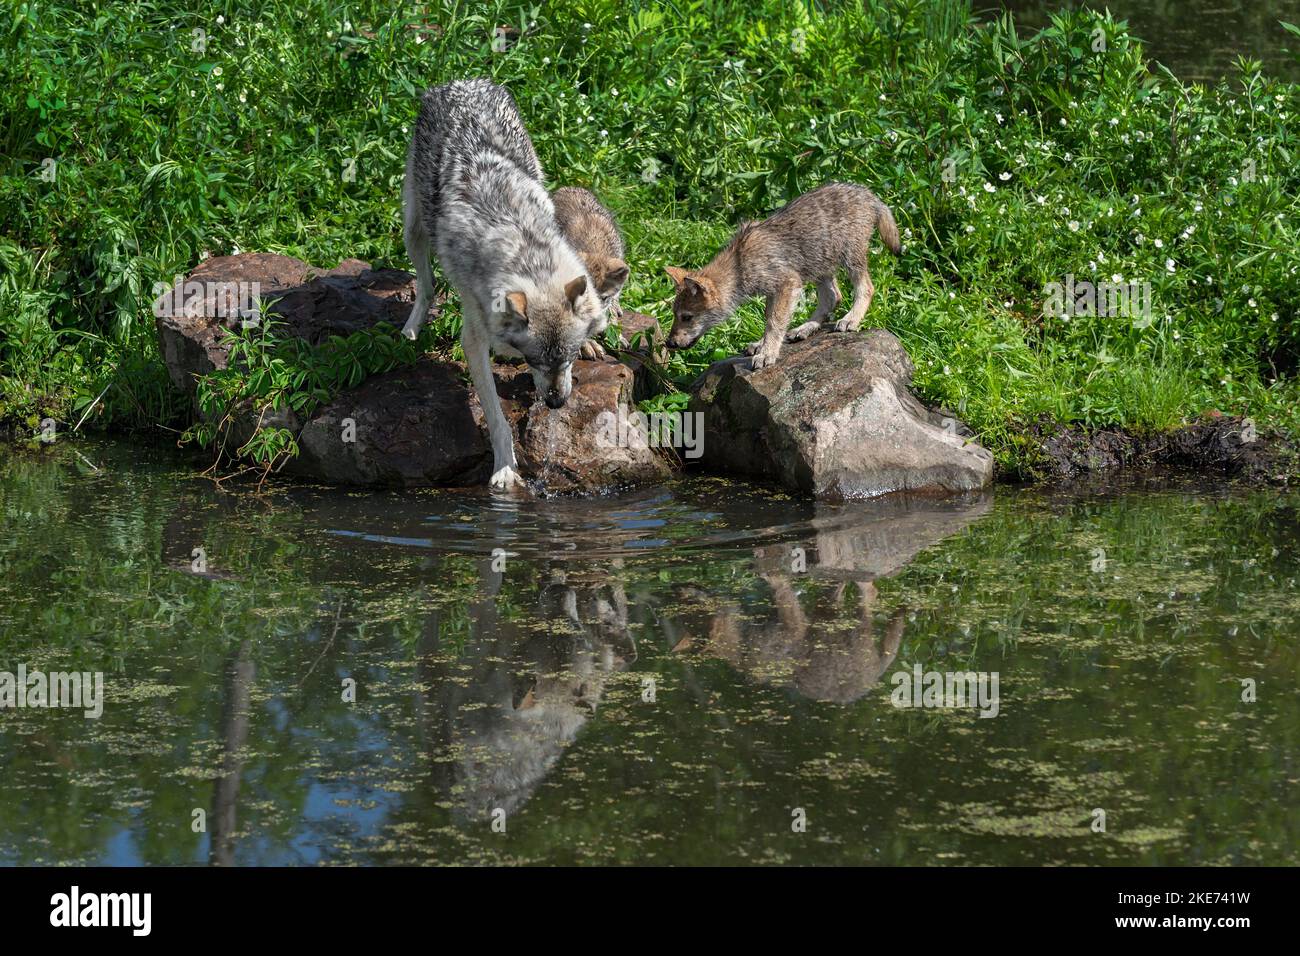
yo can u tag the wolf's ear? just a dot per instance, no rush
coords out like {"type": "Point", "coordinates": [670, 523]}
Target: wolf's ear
{"type": "Point", "coordinates": [517, 307]}
{"type": "Point", "coordinates": [616, 273]}
{"type": "Point", "coordinates": [677, 275]}
{"type": "Point", "coordinates": [574, 288]}
{"type": "Point", "coordinates": [701, 286]}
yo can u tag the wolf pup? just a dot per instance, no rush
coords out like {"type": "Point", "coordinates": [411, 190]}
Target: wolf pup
{"type": "Point", "coordinates": [805, 241]}
{"type": "Point", "coordinates": [474, 191]}
{"type": "Point", "coordinates": [593, 233]}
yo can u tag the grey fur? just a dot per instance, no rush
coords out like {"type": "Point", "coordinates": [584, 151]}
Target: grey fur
{"type": "Point", "coordinates": [807, 240]}
{"type": "Point", "coordinates": [474, 192]}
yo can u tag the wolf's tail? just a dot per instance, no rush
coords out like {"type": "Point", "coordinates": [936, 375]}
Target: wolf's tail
{"type": "Point", "coordinates": [887, 228]}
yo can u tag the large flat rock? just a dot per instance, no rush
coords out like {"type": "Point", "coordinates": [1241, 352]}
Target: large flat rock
{"type": "Point", "coordinates": [834, 418]}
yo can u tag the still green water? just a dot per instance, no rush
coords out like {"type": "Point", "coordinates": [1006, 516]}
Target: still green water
{"type": "Point", "coordinates": [655, 678]}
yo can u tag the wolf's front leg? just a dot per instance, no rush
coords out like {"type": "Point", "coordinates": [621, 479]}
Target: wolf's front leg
{"type": "Point", "coordinates": [780, 307]}
{"type": "Point", "coordinates": [474, 341]}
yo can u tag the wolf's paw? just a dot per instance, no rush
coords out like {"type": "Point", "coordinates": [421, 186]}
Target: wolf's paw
{"type": "Point", "coordinates": [802, 332]}
{"type": "Point", "coordinates": [846, 325]}
{"type": "Point", "coordinates": [505, 478]}
{"type": "Point", "coordinates": [592, 351]}
{"type": "Point", "coordinates": [762, 359]}
{"type": "Point", "coordinates": [411, 330]}
{"type": "Point", "coordinates": [753, 347]}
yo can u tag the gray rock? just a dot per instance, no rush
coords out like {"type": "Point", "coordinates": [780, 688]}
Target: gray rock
{"type": "Point", "coordinates": [834, 419]}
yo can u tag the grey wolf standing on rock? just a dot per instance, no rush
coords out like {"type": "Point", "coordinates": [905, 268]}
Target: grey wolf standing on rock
{"type": "Point", "coordinates": [474, 191]}
{"type": "Point", "coordinates": [593, 233]}
{"type": "Point", "coordinates": [807, 240]}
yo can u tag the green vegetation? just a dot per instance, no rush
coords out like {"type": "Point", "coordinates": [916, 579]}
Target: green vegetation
{"type": "Point", "coordinates": [1011, 162]}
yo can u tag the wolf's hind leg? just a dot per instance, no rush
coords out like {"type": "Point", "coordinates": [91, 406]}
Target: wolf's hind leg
{"type": "Point", "coordinates": [863, 290]}
{"type": "Point", "coordinates": [828, 300]}
{"type": "Point", "coordinates": [418, 248]}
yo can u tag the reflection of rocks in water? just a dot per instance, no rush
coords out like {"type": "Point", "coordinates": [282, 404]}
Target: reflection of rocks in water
{"type": "Point", "coordinates": [499, 716]}
{"type": "Point", "coordinates": [880, 538]}
{"type": "Point", "coordinates": [816, 631]}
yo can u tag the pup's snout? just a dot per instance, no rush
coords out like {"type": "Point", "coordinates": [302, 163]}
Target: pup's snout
{"type": "Point", "coordinates": [554, 399]}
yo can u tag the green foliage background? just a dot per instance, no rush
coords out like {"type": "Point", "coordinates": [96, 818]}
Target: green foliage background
{"type": "Point", "coordinates": [1067, 153]}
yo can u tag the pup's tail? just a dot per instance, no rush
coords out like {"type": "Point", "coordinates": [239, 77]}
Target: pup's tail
{"type": "Point", "coordinates": [887, 228]}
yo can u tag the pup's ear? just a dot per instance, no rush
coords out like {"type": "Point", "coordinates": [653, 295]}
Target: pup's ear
{"type": "Point", "coordinates": [616, 273]}
{"type": "Point", "coordinates": [699, 286]}
{"type": "Point", "coordinates": [517, 308]}
{"type": "Point", "coordinates": [574, 288]}
{"type": "Point", "coordinates": [677, 275]}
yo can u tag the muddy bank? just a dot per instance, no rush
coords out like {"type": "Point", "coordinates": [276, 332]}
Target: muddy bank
{"type": "Point", "coordinates": [1219, 446]}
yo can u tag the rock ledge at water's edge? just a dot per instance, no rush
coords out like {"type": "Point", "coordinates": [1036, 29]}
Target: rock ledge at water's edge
{"type": "Point", "coordinates": [833, 419]}
{"type": "Point", "coordinates": [416, 425]}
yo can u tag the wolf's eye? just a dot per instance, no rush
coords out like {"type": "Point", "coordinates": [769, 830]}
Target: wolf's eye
{"type": "Point", "coordinates": [686, 317]}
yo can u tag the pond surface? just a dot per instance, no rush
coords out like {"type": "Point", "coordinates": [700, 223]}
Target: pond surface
{"type": "Point", "coordinates": [698, 674]}
{"type": "Point", "coordinates": [1199, 40]}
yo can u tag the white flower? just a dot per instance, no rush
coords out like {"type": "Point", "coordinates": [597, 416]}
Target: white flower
{"type": "Point", "coordinates": [1251, 303]}
{"type": "Point", "coordinates": [989, 187]}
{"type": "Point", "coordinates": [999, 116]}
{"type": "Point", "coordinates": [1158, 243]}
{"type": "Point", "coordinates": [1062, 121]}
{"type": "Point", "coordinates": [970, 228]}
{"type": "Point", "coordinates": [1169, 265]}
{"type": "Point", "coordinates": [216, 71]}
{"type": "Point", "coordinates": [1114, 121]}
{"type": "Point", "coordinates": [1074, 226]}
{"type": "Point", "coordinates": [1117, 278]}
{"type": "Point", "coordinates": [1069, 157]}
{"type": "Point", "coordinates": [1004, 176]}
{"type": "Point", "coordinates": [243, 98]}
{"type": "Point", "coordinates": [220, 20]}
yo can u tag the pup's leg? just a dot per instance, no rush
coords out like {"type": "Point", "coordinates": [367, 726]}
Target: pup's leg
{"type": "Point", "coordinates": [417, 247]}
{"type": "Point", "coordinates": [828, 300]}
{"type": "Point", "coordinates": [863, 290]}
{"type": "Point", "coordinates": [474, 341]}
{"type": "Point", "coordinates": [780, 306]}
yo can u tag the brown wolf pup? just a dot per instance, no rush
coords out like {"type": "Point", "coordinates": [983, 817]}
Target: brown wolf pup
{"type": "Point", "coordinates": [593, 233]}
{"type": "Point", "coordinates": [805, 241]}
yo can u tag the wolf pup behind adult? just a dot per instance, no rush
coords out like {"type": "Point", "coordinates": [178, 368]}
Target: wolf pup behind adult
{"type": "Point", "coordinates": [474, 190]}
{"type": "Point", "coordinates": [594, 235]}
{"type": "Point", "coordinates": [807, 240]}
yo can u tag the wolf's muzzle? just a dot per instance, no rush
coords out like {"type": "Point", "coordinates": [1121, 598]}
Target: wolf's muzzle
{"type": "Point", "coordinates": [554, 399]}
